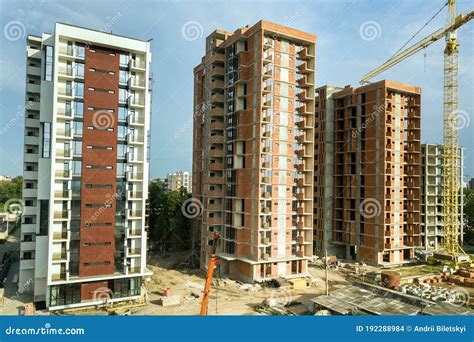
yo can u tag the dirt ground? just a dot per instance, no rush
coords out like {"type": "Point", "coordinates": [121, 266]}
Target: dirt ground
{"type": "Point", "coordinates": [227, 297]}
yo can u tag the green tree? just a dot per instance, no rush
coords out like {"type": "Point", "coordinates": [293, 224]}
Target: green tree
{"type": "Point", "coordinates": [169, 229]}
{"type": "Point", "coordinates": [10, 190]}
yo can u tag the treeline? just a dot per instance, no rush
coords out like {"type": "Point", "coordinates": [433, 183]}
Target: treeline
{"type": "Point", "coordinates": [169, 229]}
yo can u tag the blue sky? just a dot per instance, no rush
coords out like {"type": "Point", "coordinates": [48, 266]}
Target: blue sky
{"type": "Point", "coordinates": [343, 55]}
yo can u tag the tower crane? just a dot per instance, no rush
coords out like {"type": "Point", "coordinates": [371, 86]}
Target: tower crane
{"type": "Point", "coordinates": [450, 173]}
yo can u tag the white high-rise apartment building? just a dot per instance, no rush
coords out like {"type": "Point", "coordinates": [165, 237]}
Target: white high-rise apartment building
{"type": "Point", "coordinates": [177, 180]}
{"type": "Point", "coordinates": [87, 122]}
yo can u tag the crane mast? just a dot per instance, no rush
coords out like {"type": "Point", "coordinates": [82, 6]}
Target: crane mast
{"type": "Point", "coordinates": [450, 156]}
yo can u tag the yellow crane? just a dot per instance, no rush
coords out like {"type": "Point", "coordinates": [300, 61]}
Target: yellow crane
{"type": "Point", "coordinates": [450, 173]}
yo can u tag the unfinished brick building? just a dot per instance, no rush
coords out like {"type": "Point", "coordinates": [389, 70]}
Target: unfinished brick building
{"type": "Point", "coordinates": [253, 149]}
{"type": "Point", "coordinates": [367, 172]}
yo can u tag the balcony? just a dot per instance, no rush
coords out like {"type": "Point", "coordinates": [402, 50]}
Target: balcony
{"type": "Point", "coordinates": [137, 83]}
{"type": "Point", "coordinates": [133, 158]}
{"type": "Point", "coordinates": [33, 88]}
{"type": "Point", "coordinates": [216, 180]}
{"type": "Point", "coordinates": [30, 193]}
{"type": "Point", "coordinates": [30, 175]}
{"type": "Point", "coordinates": [63, 174]}
{"type": "Point", "coordinates": [300, 239]}
{"type": "Point", "coordinates": [135, 138]}
{"type": "Point", "coordinates": [216, 153]}
{"type": "Point", "coordinates": [65, 72]}
{"type": "Point", "coordinates": [217, 72]}
{"type": "Point", "coordinates": [266, 165]}
{"type": "Point", "coordinates": [266, 226]}
{"type": "Point", "coordinates": [134, 233]}
{"type": "Point", "coordinates": [133, 252]}
{"type": "Point", "coordinates": [265, 241]}
{"type": "Point", "coordinates": [305, 54]}
{"type": "Point", "coordinates": [135, 120]}
{"type": "Point", "coordinates": [134, 214]}
{"type": "Point", "coordinates": [137, 64]}
{"type": "Point", "coordinates": [60, 256]}
{"type": "Point", "coordinates": [266, 210]}
{"type": "Point", "coordinates": [134, 176]}
{"type": "Point", "coordinates": [266, 180]}
{"type": "Point", "coordinates": [136, 102]}
{"type": "Point", "coordinates": [61, 215]}
{"type": "Point", "coordinates": [303, 68]}
{"type": "Point", "coordinates": [58, 276]}
{"type": "Point", "coordinates": [299, 254]}
{"type": "Point", "coordinates": [30, 157]}
{"type": "Point", "coordinates": [217, 98]}
{"type": "Point", "coordinates": [214, 207]}
{"type": "Point", "coordinates": [63, 194]}
{"type": "Point", "coordinates": [63, 154]}
{"type": "Point", "coordinates": [216, 166]}
{"type": "Point", "coordinates": [216, 112]}
{"type": "Point", "coordinates": [33, 123]}
{"type": "Point", "coordinates": [217, 58]}
{"type": "Point", "coordinates": [217, 84]}
{"type": "Point", "coordinates": [135, 195]}
{"type": "Point", "coordinates": [217, 125]}
{"type": "Point", "coordinates": [265, 256]}
{"type": "Point", "coordinates": [215, 193]}
{"type": "Point", "coordinates": [64, 133]}
{"type": "Point", "coordinates": [131, 270]}
{"type": "Point", "coordinates": [62, 235]}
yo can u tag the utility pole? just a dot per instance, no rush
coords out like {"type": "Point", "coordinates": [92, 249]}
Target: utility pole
{"type": "Point", "coordinates": [326, 262]}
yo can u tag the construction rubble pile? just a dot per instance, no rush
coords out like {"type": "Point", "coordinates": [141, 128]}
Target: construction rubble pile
{"type": "Point", "coordinates": [435, 293]}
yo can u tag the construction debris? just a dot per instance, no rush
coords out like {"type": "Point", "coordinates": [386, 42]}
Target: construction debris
{"type": "Point", "coordinates": [171, 300]}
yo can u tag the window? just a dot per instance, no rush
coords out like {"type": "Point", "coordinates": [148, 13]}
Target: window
{"type": "Point", "coordinates": [76, 188]}
{"type": "Point", "coordinates": [48, 70]}
{"type": "Point", "coordinates": [122, 132]}
{"type": "Point", "coordinates": [123, 95]}
{"type": "Point", "coordinates": [65, 294]}
{"type": "Point", "coordinates": [79, 89]}
{"type": "Point", "coordinates": [77, 126]}
{"type": "Point", "coordinates": [79, 109]}
{"type": "Point", "coordinates": [77, 147]}
{"type": "Point", "coordinates": [68, 108]}
{"type": "Point", "coordinates": [122, 114]}
{"type": "Point", "coordinates": [80, 70]}
{"type": "Point", "coordinates": [44, 220]}
{"type": "Point", "coordinates": [124, 59]}
{"type": "Point", "coordinates": [76, 168]}
{"type": "Point", "coordinates": [123, 77]}
{"type": "Point", "coordinates": [68, 88]}
{"type": "Point", "coordinates": [69, 50]}
{"type": "Point", "coordinates": [121, 151]}
{"type": "Point", "coordinates": [80, 51]}
{"type": "Point", "coordinates": [121, 169]}
{"type": "Point", "coordinates": [46, 140]}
